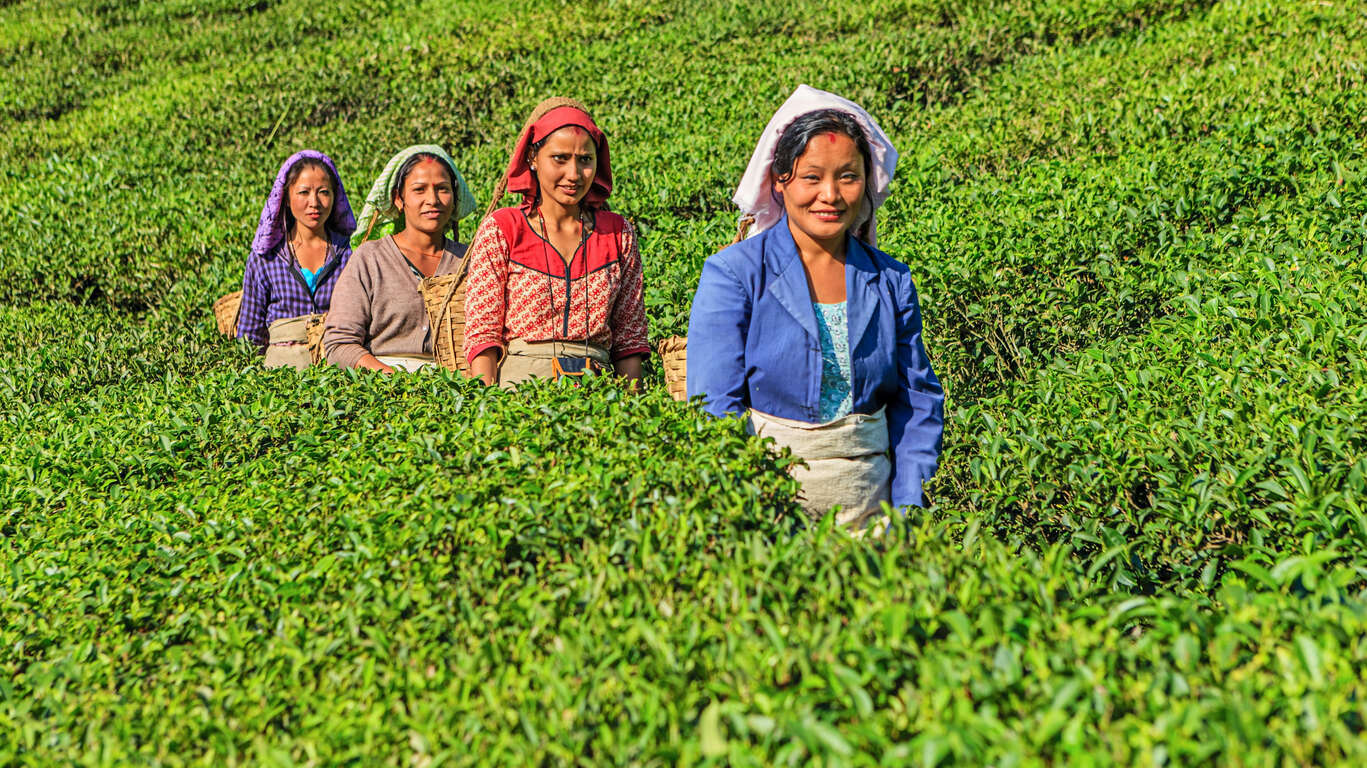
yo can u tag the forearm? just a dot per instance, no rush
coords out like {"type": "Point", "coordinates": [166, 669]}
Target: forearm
{"type": "Point", "coordinates": [251, 314]}
{"type": "Point", "coordinates": [254, 334]}
{"type": "Point", "coordinates": [342, 350]}
{"type": "Point", "coordinates": [251, 325]}
{"type": "Point", "coordinates": [629, 368]}
{"type": "Point", "coordinates": [909, 473]}
{"type": "Point", "coordinates": [344, 338]}
{"type": "Point", "coordinates": [485, 301]}
{"type": "Point", "coordinates": [370, 362]}
{"type": "Point", "coordinates": [914, 430]}
{"type": "Point", "coordinates": [717, 327]}
{"type": "Point", "coordinates": [485, 366]}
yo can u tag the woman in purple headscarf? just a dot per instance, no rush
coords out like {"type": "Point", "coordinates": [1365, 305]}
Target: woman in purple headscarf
{"type": "Point", "coordinates": [301, 245]}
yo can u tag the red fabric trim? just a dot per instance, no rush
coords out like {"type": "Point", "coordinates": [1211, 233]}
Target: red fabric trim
{"type": "Point", "coordinates": [470, 358]}
{"type": "Point", "coordinates": [528, 249]}
{"type": "Point", "coordinates": [643, 351]}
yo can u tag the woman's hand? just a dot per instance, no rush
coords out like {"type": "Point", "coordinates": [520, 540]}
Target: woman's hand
{"type": "Point", "coordinates": [485, 366]}
{"type": "Point", "coordinates": [368, 361]}
{"type": "Point", "coordinates": [629, 368]}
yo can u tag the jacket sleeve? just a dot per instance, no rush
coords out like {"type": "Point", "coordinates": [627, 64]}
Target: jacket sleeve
{"type": "Point", "coordinates": [629, 310]}
{"type": "Point", "coordinates": [251, 313]}
{"type": "Point", "coordinates": [916, 414]}
{"type": "Point", "coordinates": [486, 291]}
{"type": "Point", "coordinates": [349, 315]}
{"type": "Point", "coordinates": [717, 327]}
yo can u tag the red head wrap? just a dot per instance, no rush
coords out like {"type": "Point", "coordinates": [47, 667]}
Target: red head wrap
{"type": "Point", "coordinates": [519, 177]}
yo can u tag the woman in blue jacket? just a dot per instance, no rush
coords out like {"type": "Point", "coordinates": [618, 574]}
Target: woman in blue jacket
{"type": "Point", "coordinates": [811, 332]}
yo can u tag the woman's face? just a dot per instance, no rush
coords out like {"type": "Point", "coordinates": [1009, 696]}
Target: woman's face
{"type": "Point", "coordinates": [427, 198]}
{"type": "Point", "coordinates": [565, 165]}
{"type": "Point", "coordinates": [823, 195]}
{"type": "Point", "coordinates": [310, 198]}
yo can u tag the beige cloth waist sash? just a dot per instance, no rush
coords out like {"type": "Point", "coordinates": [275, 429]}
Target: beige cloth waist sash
{"type": "Point", "coordinates": [528, 359]}
{"type": "Point", "coordinates": [408, 363]}
{"type": "Point", "coordinates": [289, 343]}
{"type": "Point", "coordinates": [847, 463]}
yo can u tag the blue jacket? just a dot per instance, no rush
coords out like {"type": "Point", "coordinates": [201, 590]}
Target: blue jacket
{"type": "Point", "coordinates": [752, 343]}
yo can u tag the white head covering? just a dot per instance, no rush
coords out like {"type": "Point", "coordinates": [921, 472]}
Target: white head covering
{"type": "Point", "coordinates": [756, 196]}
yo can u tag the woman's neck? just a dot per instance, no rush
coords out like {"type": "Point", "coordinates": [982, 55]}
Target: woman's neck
{"type": "Point", "coordinates": [558, 215]}
{"type": "Point", "coordinates": [426, 243]}
{"type": "Point", "coordinates": [813, 250]}
{"type": "Point", "coordinates": [305, 236]}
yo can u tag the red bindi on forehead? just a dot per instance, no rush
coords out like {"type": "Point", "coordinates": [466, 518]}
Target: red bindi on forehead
{"type": "Point", "coordinates": [830, 136]}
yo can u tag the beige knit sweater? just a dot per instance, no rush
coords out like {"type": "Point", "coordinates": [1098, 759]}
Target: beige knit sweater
{"type": "Point", "coordinates": [376, 306]}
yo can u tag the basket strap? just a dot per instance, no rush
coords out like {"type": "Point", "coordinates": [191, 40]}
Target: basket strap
{"type": "Point", "coordinates": [744, 227]}
{"type": "Point", "coordinates": [455, 285]}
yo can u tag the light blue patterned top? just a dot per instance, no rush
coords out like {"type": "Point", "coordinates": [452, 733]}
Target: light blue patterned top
{"type": "Point", "coordinates": [834, 330]}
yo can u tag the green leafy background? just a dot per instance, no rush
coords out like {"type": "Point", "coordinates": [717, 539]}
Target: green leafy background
{"type": "Point", "coordinates": [1137, 233]}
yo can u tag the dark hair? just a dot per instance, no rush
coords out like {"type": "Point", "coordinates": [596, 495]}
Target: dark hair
{"type": "Point", "coordinates": [402, 176]}
{"type": "Point", "coordinates": [794, 139]}
{"type": "Point", "coordinates": [292, 175]}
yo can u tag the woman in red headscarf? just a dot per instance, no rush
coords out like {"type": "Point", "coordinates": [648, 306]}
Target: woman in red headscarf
{"type": "Point", "coordinates": [554, 286]}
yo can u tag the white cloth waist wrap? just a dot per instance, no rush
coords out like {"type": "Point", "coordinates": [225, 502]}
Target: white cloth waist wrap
{"type": "Point", "coordinates": [289, 343]}
{"type": "Point", "coordinates": [528, 359]}
{"type": "Point", "coordinates": [407, 362]}
{"type": "Point", "coordinates": [847, 463]}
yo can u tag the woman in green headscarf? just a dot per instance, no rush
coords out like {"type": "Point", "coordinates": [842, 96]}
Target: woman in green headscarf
{"type": "Point", "coordinates": [407, 232]}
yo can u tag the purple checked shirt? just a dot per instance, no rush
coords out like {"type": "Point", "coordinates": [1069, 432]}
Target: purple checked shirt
{"type": "Point", "coordinates": [273, 288]}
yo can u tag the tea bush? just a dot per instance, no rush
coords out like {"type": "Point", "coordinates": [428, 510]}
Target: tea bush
{"type": "Point", "coordinates": [1138, 232]}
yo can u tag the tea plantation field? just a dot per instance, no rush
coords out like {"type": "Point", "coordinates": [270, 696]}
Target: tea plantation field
{"type": "Point", "coordinates": [1139, 231]}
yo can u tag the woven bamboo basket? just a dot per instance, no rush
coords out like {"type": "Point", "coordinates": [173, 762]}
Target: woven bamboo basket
{"type": "Point", "coordinates": [315, 337]}
{"type": "Point", "coordinates": [674, 357]}
{"type": "Point", "coordinates": [444, 298]}
{"type": "Point", "coordinates": [225, 313]}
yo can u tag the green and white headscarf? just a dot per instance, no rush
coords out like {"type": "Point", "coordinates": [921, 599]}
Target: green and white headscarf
{"type": "Point", "coordinates": [379, 217]}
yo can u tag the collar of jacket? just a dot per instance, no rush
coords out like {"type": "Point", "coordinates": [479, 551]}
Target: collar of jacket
{"type": "Point", "coordinates": [789, 285]}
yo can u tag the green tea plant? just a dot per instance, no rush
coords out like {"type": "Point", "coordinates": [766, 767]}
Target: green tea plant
{"type": "Point", "coordinates": [1138, 233]}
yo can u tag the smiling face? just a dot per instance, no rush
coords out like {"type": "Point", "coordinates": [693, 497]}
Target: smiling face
{"type": "Point", "coordinates": [427, 197]}
{"type": "Point", "coordinates": [310, 198]}
{"type": "Point", "coordinates": [823, 195]}
{"type": "Point", "coordinates": [565, 165]}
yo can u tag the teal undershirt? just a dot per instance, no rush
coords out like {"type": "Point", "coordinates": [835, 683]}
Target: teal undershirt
{"type": "Point", "coordinates": [310, 277]}
{"type": "Point", "coordinates": [833, 328]}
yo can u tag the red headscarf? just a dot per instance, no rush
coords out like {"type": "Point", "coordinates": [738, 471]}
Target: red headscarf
{"type": "Point", "coordinates": [519, 177]}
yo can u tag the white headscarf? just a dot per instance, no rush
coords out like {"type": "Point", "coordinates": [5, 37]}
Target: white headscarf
{"type": "Point", "coordinates": [756, 196]}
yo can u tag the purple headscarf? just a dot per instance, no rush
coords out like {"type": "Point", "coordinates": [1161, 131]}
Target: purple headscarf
{"type": "Point", "coordinates": [271, 230]}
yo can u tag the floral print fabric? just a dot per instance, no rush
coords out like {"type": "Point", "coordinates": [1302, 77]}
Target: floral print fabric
{"type": "Point", "coordinates": [519, 288]}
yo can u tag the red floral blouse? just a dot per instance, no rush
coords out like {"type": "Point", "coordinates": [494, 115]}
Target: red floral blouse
{"type": "Point", "coordinates": [519, 287]}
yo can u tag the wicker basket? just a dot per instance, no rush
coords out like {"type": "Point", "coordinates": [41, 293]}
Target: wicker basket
{"type": "Point", "coordinates": [674, 357]}
{"type": "Point", "coordinates": [225, 313]}
{"type": "Point", "coordinates": [444, 298]}
{"type": "Point", "coordinates": [315, 337]}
